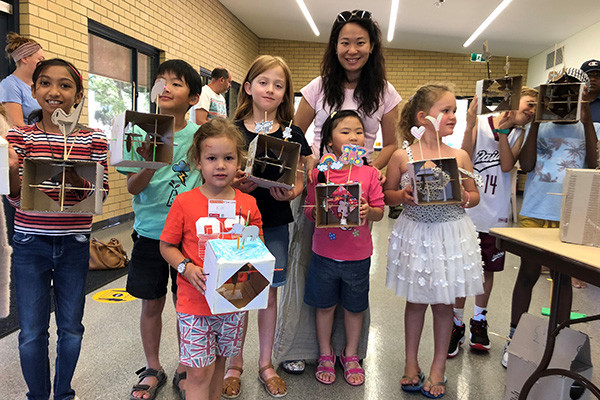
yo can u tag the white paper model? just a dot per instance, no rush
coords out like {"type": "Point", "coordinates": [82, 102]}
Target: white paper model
{"type": "Point", "coordinates": [580, 209]}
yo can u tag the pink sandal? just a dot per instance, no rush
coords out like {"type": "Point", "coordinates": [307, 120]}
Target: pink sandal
{"type": "Point", "coordinates": [352, 371]}
{"type": "Point", "coordinates": [323, 358]}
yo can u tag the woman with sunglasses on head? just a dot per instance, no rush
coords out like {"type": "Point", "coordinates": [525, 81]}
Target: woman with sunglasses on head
{"type": "Point", "coordinates": [352, 77]}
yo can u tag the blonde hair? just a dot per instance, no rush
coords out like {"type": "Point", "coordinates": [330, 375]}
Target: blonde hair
{"type": "Point", "coordinates": [527, 91]}
{"type": "Point", "coordinates": [285, 110]}
{"type": "Point", "coordinates": [423, 99]}
{"type": "Point", "coordinates": [217, 127]}
{"type": "Point", "coordinates": [14, 41]}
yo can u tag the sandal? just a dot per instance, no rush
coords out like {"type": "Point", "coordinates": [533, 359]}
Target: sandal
{"type": "Point", "coordinates": [232, 386]}
{"type": "Point", "coordinates": [177, 378]}
{"type": "Point", "coordinates": [275, 386]}
{"type": "Point", "coordinates": [295, 367]}
{"type": "Point", "coordinates": [413, 387]}
{"type": "Point", "coordinates": [143, 373]}
{"type": "Point", "coordinates": [321, 368]}
{"type": "Point", "coordinates": [431, 385]}
{"type": "Point", "coordinates": [352, 371]}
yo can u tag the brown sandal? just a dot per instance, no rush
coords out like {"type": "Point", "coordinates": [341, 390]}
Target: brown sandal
{"type": "Point", "coordinates": [275, 386]}
{"type": "Point", "coordinates": [232, 386]}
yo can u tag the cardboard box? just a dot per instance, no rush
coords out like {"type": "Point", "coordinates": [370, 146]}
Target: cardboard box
{"type": "Point", "coordinates": [4, 180]}
{"type": "Point", "coordinates": [580, 209]}
{"type": "Point", "coordinates": [133, 129]}
{"type": "Point", "coordinates": [249, 270]}
{"type": "Point", "coordinates": [500, 94]}
{"type": "Point", "coordinates": [272, 162]}
{"type": "Point", "coordinates": [572, 352]}
{"type": "Point", "coordinates": [338, 205]}
{"type": "Point", "coordinates": [559, 102]}
{"type": "Point", "coordinates": [438, 184]}
{"type": "Point", "coordinates": [41, 178]}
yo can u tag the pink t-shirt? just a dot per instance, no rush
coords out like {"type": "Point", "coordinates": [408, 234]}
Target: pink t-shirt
{"type": "Point", "coordinates": [346, 244]}
{"type": "Point", "coordinates": [314, 95]}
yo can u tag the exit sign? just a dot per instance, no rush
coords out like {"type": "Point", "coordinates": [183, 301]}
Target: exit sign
{"type": "Point", "coordinates": [477, 57]}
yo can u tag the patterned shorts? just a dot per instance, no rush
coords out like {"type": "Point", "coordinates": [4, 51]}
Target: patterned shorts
{"type": "Point", "coordinates": [203, 338]}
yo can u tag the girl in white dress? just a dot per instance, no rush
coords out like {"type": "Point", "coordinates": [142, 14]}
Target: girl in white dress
{"type": "Point", "coordinates": [433, 254]}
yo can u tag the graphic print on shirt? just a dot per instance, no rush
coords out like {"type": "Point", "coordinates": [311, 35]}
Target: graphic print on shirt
{"type": "Point", "coordinates": [181, 169]}
{"type": "Point", "coordinates": [208, 228]}
{"type": "Point", "coordinates": [484, 160]}
{"type": "Point", "coordinates": [574, 151]}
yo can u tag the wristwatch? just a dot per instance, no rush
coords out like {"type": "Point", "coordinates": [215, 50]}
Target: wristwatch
{"type": "Point", "coordinates": [181, 266]}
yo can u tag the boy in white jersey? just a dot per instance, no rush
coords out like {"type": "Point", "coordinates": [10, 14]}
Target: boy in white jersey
{"type": "Point", "coordinates": [493, 142]}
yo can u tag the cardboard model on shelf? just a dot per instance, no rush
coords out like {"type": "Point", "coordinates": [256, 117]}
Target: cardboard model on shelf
{"type": "Point", "coordinates": [4, 182]}
{"type": "Point", "coordinates": [132, 130]}
{"type": "Point", "coordinates": [338, 205]}
{"type": "Point", "coordinates": [435, 181]}
{"type": "Point", "coordinates": [503, 94]}
{"type": "Point", "coordinates": [272, 162]}
{"type": "Point", "coordinates": [580, 209]}
{"type": "Point", "coordinates": [44, 190]}
{"type": "Point", "coordinates": [238, 277]}
{"type": "Point", "coordinates": [559, 102]}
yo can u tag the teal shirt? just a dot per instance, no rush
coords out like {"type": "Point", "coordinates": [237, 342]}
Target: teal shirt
{"type": "Point", "coordinates": [152, 205]}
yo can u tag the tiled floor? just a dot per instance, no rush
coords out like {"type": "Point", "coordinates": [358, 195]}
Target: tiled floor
{"type": "Point", "coordinates": [112, 350]}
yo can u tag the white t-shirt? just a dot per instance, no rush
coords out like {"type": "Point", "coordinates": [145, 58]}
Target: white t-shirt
{"type": "Point", "coordinates": [494, 204]}
{"type": "Point", "coordinates": [213, 103]}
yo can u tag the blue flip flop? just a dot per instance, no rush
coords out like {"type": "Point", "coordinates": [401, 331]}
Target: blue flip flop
{"type": "Point", "coordinates": [429, 395]}
{"type": "Point", "coordinates": [414, 387]}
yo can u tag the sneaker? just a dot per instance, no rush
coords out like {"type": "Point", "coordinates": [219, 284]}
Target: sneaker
{"type": "Point", "coordinates": [295, 367]}
{"type": "Point", "coordinates": [505, 355]}
{"type": "Point", "coordinates": [478, 336]}
{"type": "Point", "coordinates": [457, 338]}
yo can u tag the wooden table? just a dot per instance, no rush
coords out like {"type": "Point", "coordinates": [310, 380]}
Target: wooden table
{"type": "Point", "coordinates": [543, 246]}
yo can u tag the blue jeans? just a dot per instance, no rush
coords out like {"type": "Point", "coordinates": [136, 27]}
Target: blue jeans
{"type": "Point", "coordinates": [40, 263]}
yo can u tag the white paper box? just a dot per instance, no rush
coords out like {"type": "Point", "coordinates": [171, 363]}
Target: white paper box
{"type": "Point", "coordinates": [222, 260]}
{"type": "Point", "coordinates": [140, 124]}
{"type": "Point", "coordinates": [571, 352]}
{"type": "Point", "coordinates": [580, 209]}
{"type": "Point", "coordinates": [4, 182]}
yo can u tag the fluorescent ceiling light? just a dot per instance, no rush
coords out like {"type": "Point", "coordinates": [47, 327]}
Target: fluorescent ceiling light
{"type": "Point", "coordinates": [393, 16]}
{"type": "Point", "coordinates": [308, 17]}
{"type": "Point", "coordinates": [487, 22]}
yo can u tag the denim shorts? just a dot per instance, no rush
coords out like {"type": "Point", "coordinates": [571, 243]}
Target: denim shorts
{"type": "Point", "coordinates": [329, 282]}
{"type": "Point", "coordinates": [277, 241]}
{"type": "Point", "coordinates": [148, 276]}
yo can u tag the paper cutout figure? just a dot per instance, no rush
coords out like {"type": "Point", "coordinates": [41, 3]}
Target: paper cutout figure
{"type": "Point", "coordinates": [250, 232]}
{"type": "Point", "coordinates": [435, 121]}
{"type": "Point", "coordinates": [158, 89]}
{"type": "Point", "coordinates": [417, 131]}
{"type": "Point", "coordinates": [263, 127]}
{"type": "Point", "coordinates": [67, 123]}
{"type": "Point", "coordinates": [353, 155]}
{"type": "Point", "coordinates": [287, 133]}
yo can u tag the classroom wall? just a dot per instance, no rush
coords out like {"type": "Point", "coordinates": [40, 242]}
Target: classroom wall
{"type": "Point", "coordinates": [579, 48]}
{"type": "Point", "coordinates": [201, 32]}
{"type": "Point", "coordinates": [406, 69]}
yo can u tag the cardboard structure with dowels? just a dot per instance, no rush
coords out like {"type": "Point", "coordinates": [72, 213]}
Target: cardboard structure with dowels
{"type": "Point", "coordinates": [239, 274]}
{"type": "Point", "coordinates": [435, 181]}
{"type": "Point", "coordinates": [272, 162]}
{"type": "Point", "coordinates": [43, 188]}
{"type": "Point", "coordinates": [580, 209]}
{"type": "Point", "coordinates": [559, 102]}
{"type": "Point", "coordinates": [132, 130]}
{"type": "Point", "coordinates": [4, 179]}
{"type": "Point", "coordinates": [338, 205]}
{"type": "Point", "coordinates": [500, 94]}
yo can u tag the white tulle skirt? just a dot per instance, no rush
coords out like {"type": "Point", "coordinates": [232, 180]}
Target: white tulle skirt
{"type": "Point", "coordinates": [433, 263]}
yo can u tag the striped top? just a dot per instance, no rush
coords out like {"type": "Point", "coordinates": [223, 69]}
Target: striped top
{"type": "Point", "coordinates": [30, 141]}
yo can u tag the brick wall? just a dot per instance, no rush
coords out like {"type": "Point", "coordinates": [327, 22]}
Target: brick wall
{"type": "Point", "coordinates": [201, 32]}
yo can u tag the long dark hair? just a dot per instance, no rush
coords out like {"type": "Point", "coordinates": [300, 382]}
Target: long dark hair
{"type": "Point", "coordinates": [372, 82]}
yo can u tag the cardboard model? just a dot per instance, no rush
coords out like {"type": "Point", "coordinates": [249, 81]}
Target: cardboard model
{"type": "Point", "coordinates": [435, 181]}
{"type": "Point", "coordinates": [580, 209]}
{"type": "Point", "coordinates": [132, 130]}
{"type": "Point", "coordinates": [503, 94]}
{"type": "Point", "coordinates": [43, 190]}
{"type": "Point", "coordinates": [338, 205]}
{"type": "Point", "coordinates": [4, 182]}
{"type": "Point", "coordinates": [238, 278]}
{"type": "Point", "coordinates": [571, 352]}
{"type": "Point", "coordinates": [272, 162]}
{"type": "Point", "coordinates": [559, 102]}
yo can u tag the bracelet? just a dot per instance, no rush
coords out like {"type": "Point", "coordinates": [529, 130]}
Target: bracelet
{"type": "Point", "coordinates": [466, 205]}
{"type": "Point", "coordinates": [502, 131]}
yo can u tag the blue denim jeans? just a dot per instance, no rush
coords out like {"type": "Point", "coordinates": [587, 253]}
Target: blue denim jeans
{"type": "Point", "coordinates": [40, 264]}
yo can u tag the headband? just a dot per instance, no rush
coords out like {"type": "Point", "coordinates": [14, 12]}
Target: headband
{"type": "Point", "coordinates": [25, 50]}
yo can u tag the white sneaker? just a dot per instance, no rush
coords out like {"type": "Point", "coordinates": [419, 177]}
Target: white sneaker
{"type": "Point", "coordinates": [505, 355]}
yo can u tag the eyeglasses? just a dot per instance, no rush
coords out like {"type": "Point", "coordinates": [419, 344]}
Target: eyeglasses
{"type": "Point", "coordinates": [346, 16]}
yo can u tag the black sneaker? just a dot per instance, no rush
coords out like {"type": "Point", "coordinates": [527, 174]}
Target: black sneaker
{"type": "Point", "coordinates": [478, 336]}
{"type": "Point", "coordinates": [457, 338]}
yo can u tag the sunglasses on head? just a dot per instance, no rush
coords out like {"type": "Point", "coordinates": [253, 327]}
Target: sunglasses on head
{"type": "Point", "coordinates": [346, 16]}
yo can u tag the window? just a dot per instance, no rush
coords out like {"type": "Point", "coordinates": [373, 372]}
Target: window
{"type": "Point", "coordinates": [120, 75]}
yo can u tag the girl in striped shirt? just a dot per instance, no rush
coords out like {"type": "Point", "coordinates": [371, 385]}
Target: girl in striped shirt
{"type": "Point", "coordinates": [52, 249]}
